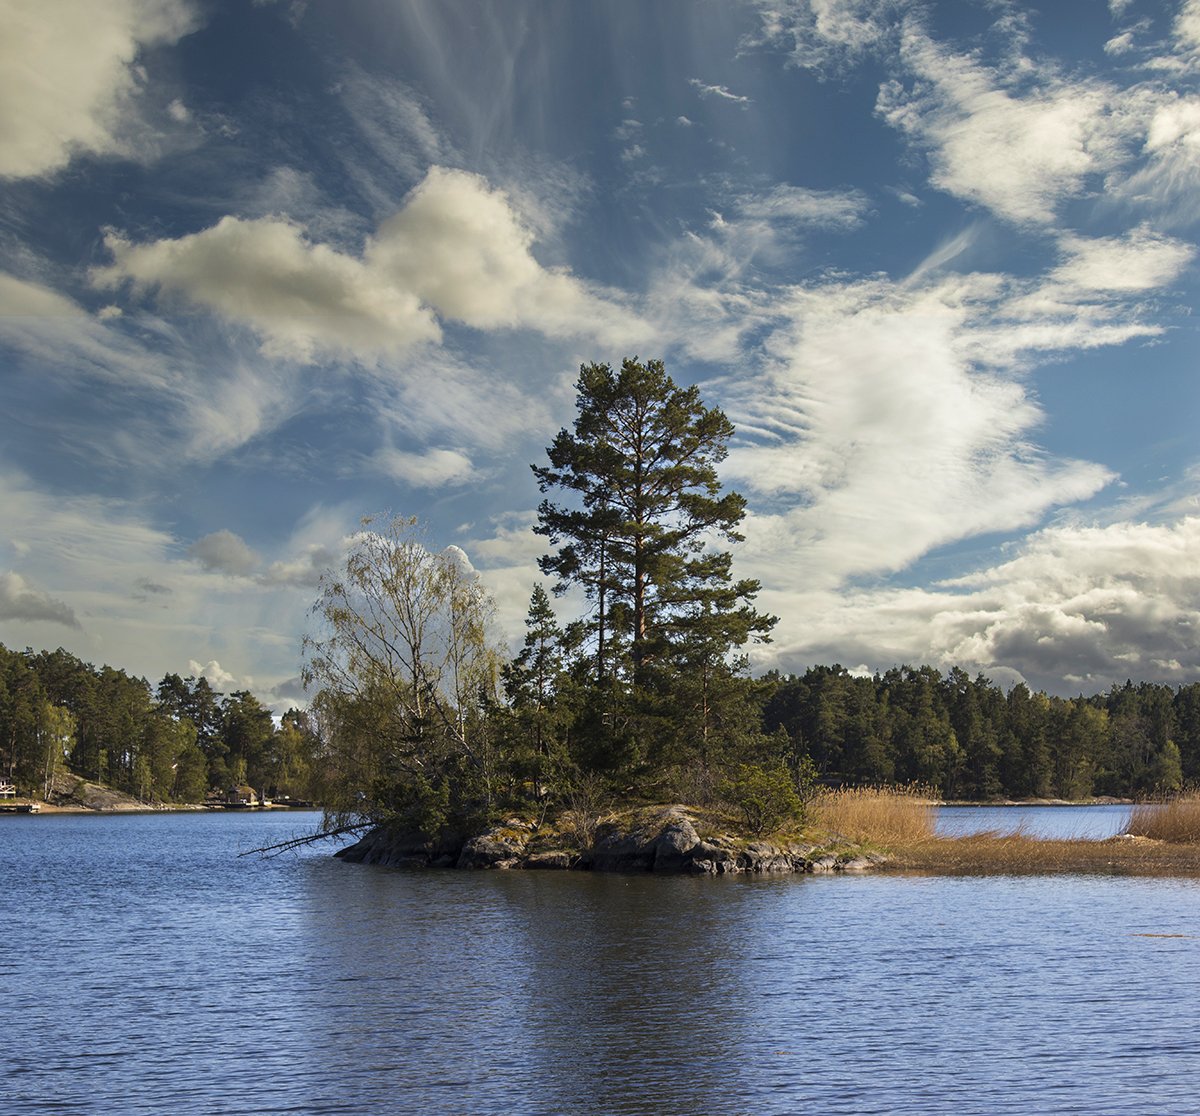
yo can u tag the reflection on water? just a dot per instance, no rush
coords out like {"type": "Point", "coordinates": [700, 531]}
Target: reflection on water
{"type": "Point", "coordinates": [148, 969]}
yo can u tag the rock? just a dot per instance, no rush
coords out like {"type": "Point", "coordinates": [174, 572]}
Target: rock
{"type": "Point", "coordinates": [617, 851]}
{"type": "Point", "coordinates": [651, 839]}
{"type": "Point", "coordinates": [713, 859]}
{"type": "Point", "coordinates": [551, 858]}
{"type": "Point", "coordinates": [501, 848]}
{"type": "Point", "coordinates": [674, 846]}
{"type": "Point", "coordinates": [392, 847]}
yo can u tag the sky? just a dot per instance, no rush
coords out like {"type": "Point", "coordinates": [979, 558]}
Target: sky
{"type": "Point", "coordinates": [271, 266]}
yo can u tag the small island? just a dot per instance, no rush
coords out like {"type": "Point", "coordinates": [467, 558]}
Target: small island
{"type": "Point", "coordinates": [630, 734]}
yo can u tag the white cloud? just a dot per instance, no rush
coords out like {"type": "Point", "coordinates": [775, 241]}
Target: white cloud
{"type": "Point", "coordinates": [224, 552]}
{"type": "Point", "coordinates": [1092, 605]}
{"type": "Point", "coordinates": [883, 441]}
{"type": "Point", "coordinates": [839, 209]}
{"type": "Point", "coordinates": [215, 674]}
{"type": "Point", "coordinates": [118, 566]}
{"type": "Point", "coordinates": [1017, 139]}
{"type": "Point", "coordinates": [456, 246]}
{"type": "Point", "coordinates": [434, 468]}
{"type": "Point", "coordinates": [718, 91]}
{"type": "Point", "coordinates": [1085, 300]}
{"type": "Point", "coordinates": [1186, 29]}
{"type": "Point", "coordinates": [1168, 180]}
{"type": "Point", "coordinates": [68, 77]}
{"type": "Point", "coordinates": [824, 35]}
{"type": "Point", "coordinates": [462, 247]}
{"type": "Point", "coordinates": [19, 601]}
{"type": "Point", "coordinates": [301, 297]}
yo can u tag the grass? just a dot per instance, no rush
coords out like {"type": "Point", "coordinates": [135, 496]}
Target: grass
{"type": "Point", "coordinates": [877, 816]}
{"type": "Point", "coordinates": [1161, 839]}
{"type": "Point", "coordinates": [1176, 820]}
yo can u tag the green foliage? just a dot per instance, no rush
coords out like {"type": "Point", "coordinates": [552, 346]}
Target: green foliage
{"type": "Point", "coordinates": [58, 713]}
{"type": "Point", "coordinates": [764, 797]}
{"type": "Point", "coordinates": [404, 676]}
{"type": "Point", "coordinates": [638, 507]}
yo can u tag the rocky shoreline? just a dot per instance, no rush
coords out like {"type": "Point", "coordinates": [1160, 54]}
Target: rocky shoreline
{"type": "Point", "coordinates": [653, 839]}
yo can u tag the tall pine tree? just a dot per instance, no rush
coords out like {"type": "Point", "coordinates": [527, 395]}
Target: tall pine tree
{"type": "Point", "coordinates": [636, 522]}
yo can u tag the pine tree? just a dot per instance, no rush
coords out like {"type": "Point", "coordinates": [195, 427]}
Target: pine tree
{"type": "Point", "coordinates": [641, 509]}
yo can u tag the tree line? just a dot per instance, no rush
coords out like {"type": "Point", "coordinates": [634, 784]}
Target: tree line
{"type": "Point", "coordinates": [176, 743]}
{"type": "Point", "coordinates": [971, 740]}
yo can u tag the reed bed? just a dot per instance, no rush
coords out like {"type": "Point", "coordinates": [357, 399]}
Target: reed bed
{"type": "Point", "coordinates": [1162, 839]}
{"type": "Point", "coordinates": [878, 816]}
{"type": "Point", "coordinates": [1176, 820]}
{"type": "Point", "coordinates": [1020, 854]}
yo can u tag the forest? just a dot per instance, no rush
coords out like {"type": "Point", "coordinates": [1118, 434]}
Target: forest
{"type": "Point", "coordinates": [421, 716]}
{"type": "Point", "coordinates": [174, 743]}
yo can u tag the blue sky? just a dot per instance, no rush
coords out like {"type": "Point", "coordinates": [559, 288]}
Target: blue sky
{"type": "Point", "coordinates": [272, 266]}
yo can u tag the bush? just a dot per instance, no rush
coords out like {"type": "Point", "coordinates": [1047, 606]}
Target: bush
{"type": "Point", "coordinates": [765, 797]}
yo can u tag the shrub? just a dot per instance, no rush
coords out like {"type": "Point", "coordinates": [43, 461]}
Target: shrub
{"type": "Point", "coordinates": [765, 797]}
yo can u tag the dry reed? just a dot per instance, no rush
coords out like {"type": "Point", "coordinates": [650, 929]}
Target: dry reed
{"type": "Point", "coordinates": [877, 816]}
{"type": "Point", "coordinates": [1176, 820]}
{"type": "Point", "coordinates": [1020, 854]}
{"type": "Point", "coordinates": [1162, 839]}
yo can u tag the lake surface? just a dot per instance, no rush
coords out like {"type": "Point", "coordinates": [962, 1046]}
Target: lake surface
{"type": "Point", "coordinates": [1093, 822]}
{"type": "Point", "coordinates": [146, 968]}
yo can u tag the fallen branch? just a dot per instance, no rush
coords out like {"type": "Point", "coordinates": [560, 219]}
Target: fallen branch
{"type": "Point", "coordinates": [308, 839]}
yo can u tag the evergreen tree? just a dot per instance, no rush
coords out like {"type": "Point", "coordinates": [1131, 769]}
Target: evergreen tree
{"type": "Point", "coordinates": [642, 506]}
{"type": "Point", "coordinates": [641, 462]}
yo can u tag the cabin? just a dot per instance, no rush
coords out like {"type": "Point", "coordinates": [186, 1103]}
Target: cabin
{"type": "Point", "coordinates": [242, 797]}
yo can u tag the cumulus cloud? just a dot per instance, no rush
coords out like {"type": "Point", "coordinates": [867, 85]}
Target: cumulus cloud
{"type": "Point", "coordinates": [457, 247]}
{"type": "Point", "coordinates": [224, 552]}
{"type": "Point", "coordinates": [212, 671]}
{"type": "Point", "coordinates": [303, 571]}
{"type": "Point", "coordinates": [301, 297]}
{"type": "Point", "coordinates": [19, 601]}
{"type": "Point", "coordinates": [464, 250]}
{"type": "Point", "coordinates": [68, 77]}
{"type": "Point", "coordinates": [1079, 607]}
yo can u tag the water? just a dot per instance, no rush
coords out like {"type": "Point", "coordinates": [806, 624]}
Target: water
{"type": "Point", "coordinates": [1094, 822]}
{"type": "Point", "coordinates": [146, 968]}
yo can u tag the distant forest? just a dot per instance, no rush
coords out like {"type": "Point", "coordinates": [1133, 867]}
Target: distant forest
{"type": "Point", "coordinates": [181, 740]}
{"type": "Point", "coordinates": [174, 743]}
{"type": "Point", "coordinates": [971, 740]}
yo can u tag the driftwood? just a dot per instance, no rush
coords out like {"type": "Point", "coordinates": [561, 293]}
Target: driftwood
{"type": "Point", "coordinates": [308, 839]}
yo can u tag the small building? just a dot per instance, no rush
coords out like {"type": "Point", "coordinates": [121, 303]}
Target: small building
{"type": "Point", "coordinates": [7, 789]}
{"type": "Point", "coordinates": [243, 797]}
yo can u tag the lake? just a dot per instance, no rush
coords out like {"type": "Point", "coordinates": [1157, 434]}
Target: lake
{"type": "Point", "coordinates": [147, 968]}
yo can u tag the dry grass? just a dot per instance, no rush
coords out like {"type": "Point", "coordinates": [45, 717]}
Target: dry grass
{"type": "Point", "coordinates": [1020, 854]}
{"type": "Point", "coordinates": [1177, 820]}
{"type": "Point", "coordinates": [885, 817]}
{"type": "Point", "coordinates": [1164, 839]}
